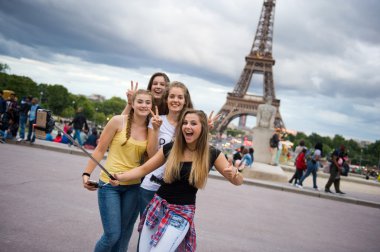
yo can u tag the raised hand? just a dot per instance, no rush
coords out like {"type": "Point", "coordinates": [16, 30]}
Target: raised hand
{"type": "Point", "coordinates": [156, 119]}
{"type": "Point", "coordinates": [211, 120]}
{"type": "Point", "coordinates": [131, 92]}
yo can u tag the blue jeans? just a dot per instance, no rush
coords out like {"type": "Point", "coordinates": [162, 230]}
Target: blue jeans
{"type": "Point", "coordinates": [313, 171]}
{"type": "Point", "coordinates": [23, 119]}
{"type": "Point", "coordinates": [77, 136]}
{"type": "Point", "coordinates": [118, 206]}
{"type": "Point", "coordinates": [145, 196]}
{"type": "Point", "coordinates": [31, 137]}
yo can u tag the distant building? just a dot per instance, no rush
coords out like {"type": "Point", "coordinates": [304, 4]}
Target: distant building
{"type": "Point", "coordinates": [96, 98]}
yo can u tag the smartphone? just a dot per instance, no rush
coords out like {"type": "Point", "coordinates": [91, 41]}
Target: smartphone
{"type": "Point", "coordinates": [93, 183]}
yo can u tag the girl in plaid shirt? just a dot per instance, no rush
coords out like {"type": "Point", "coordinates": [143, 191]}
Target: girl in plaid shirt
{"type": "Point", "coordinates": [167, 223]}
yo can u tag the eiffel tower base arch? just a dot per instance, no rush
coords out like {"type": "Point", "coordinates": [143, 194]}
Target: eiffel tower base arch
{"type": "Point", "coordinates": [262, 168]}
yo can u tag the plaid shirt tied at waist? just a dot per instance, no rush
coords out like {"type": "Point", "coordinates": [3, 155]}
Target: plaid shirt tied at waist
{"type": "Point", "coordinates": [152, 217]}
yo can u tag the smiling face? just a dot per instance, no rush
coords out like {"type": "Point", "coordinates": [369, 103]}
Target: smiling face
{"type": "Point", "coordinates": [158, 87]}
{"type": "Point", "coordinates": [191, 128]}
{"type": "Point", "coordinates": [176, 99]}
{"type": "Point", "coordinates": [142, 104]}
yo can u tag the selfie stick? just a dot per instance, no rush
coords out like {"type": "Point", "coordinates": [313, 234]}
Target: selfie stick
{"type": "Point", "coordinates": [83, 149]}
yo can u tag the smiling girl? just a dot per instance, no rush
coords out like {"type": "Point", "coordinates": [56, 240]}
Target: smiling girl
{"type": "Point", "coordinates": [167, 223]}
{"type": "Point", "coordinates": [126, 138]}
{"type": "Point", "coordinates": [161, 131]}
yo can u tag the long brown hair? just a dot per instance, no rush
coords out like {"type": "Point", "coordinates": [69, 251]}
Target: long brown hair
{"type": "Point", "coordinates": [160, 103]}
{"type": "Point", "coordinates": [132, 111]}
{"type": "Point", "coordinates": [201, 155]}
{"type": "Point", "coordinates": [188, 103]}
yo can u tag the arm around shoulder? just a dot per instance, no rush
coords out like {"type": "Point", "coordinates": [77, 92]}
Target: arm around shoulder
{"type": "Point", "coordinates": [136, 173]}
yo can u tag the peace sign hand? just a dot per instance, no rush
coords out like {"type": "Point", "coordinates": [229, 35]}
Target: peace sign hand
{"type": "Point", "coordinates": [156, 119]}
{"type": "Point", "coordinates": [211, 120]}
{"type": "Point", "coordinates": [131, 92]}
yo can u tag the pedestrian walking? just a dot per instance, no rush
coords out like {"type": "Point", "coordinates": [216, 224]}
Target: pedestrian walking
{"type": "Point", "coordinates": [312, 168]}
{"type": "Point", "coordinates": [79, 122]}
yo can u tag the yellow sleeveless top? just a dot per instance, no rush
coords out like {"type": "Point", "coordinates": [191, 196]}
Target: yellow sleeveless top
{"type": "Point", "coordinates": [123, 158]}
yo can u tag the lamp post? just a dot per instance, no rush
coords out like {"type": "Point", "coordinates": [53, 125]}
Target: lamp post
{"type": "Point", "coordinates": [361, 153]}
{"type": "Point", "coordinates": [41, 94]}
{"type": "Point", "coordinates": [96, 115]}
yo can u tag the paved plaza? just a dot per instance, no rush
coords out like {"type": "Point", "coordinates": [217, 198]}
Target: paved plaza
{"type": "Point", "coordinates": [45, 208]}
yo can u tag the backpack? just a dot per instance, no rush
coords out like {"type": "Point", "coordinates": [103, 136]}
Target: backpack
{"type": "Point", "coordinates": [309, 154]}
{"type": "Point", "coordinates": [345, 169]}
{"type": "Point", "coordinates": [273, 142]}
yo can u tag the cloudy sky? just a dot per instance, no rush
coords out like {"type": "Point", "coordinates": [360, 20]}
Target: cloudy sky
{"type": "Point", "coordinates": [327, 53]}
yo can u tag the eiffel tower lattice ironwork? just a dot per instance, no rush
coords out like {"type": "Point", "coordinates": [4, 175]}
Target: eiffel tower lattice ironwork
{"type": "Point", "coordinates": [259, 61]}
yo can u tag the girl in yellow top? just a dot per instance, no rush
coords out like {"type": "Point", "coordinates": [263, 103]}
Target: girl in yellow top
{"type": "Point", "coordinates": [126, 138]}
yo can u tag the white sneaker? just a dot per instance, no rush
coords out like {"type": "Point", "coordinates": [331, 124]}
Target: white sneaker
{"type": "Point", "coordinates": [299, 186]}
{"type": "Point", "coordinates": [316, 189]}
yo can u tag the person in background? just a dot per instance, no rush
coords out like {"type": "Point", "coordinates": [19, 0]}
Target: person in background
{"type": "Point", "coordinates": [66, 126]}
{"type": "Point", "coordinates": [246, 161]}
{"type": "Point", "coordinates": [23, 112]}
{"type": "Point", "coordinates": [92, 140]}
{"type": "Point", "coordinates": [32, 119]}
{"type": "Point", "coordinates": [83, 135]}
{"type": "Point", "coordinates": [274, 142]}
{"type": "Point", "coordinates": [238, 154]}
{"type": "Point", "coordinates": [49, 137]}
{"type": "Point", "coordinates": [79, 122]}
{"type": "Point", "coordinates": [298, 149]}
{"type": "Point", "coordinates": [335, 170]}
{"type": "Point", "coordinates": [10, 131]}
{"type": "Point", "coordinates": [3, 103]}
{"type": "Point", "coordinates": [58, 137]}
{"type": "Point", "coordinates": [65, 139]}
{"type": "Point", "coordinates": [168, 221]}
{"type": "Point", "coordinates": [312, 167]}
{"type": "Point", "coordinates": [300, 164]}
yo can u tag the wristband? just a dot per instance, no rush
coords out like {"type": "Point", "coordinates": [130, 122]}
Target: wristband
{"type": "Point", "coordinates": [86, 174]}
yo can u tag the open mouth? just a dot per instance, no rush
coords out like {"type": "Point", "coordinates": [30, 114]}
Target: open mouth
{"type": "Point", "coordinates": [158, 91]}
{"type": "Point", "coordinates": [188, 135]}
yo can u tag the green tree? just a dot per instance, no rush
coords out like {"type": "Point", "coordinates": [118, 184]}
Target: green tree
{"type": "Point", "coordinates": [22, 86]}
{"type": "Point", "coordinates": [113, 106]}
{"type": "Point", "coordinates": [56, 98]}
{"type": "Point", "coordinates": [4, 67]}
{"type": "Point", "coordinates": [337, 141]}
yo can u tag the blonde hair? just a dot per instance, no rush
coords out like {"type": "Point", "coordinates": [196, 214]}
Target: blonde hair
{"type": "Point", "coordinates": [132, 111]}
{"type": "Point", "coordinates": [201, 156]}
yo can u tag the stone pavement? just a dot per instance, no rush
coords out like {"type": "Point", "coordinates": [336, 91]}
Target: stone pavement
{"type": "Point", "coordinates": [44, 207]}
{"type": "Point", "coordinates": [358, 190]}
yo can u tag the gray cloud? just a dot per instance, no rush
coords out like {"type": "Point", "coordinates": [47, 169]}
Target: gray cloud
{"type": "Point", "coordinates": [325, 47]}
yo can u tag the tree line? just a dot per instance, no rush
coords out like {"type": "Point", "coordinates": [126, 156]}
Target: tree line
{"type": "Point", "coordinates": [62, 103]}
{"type": "Point", "coordinates": [59, 100]}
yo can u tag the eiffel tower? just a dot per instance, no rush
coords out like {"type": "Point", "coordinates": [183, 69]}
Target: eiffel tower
{"type": "Point", "coordinates": [259, 61]}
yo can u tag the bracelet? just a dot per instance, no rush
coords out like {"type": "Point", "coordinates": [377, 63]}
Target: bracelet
{"type": "Point", "coordinates": [86, 174]}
